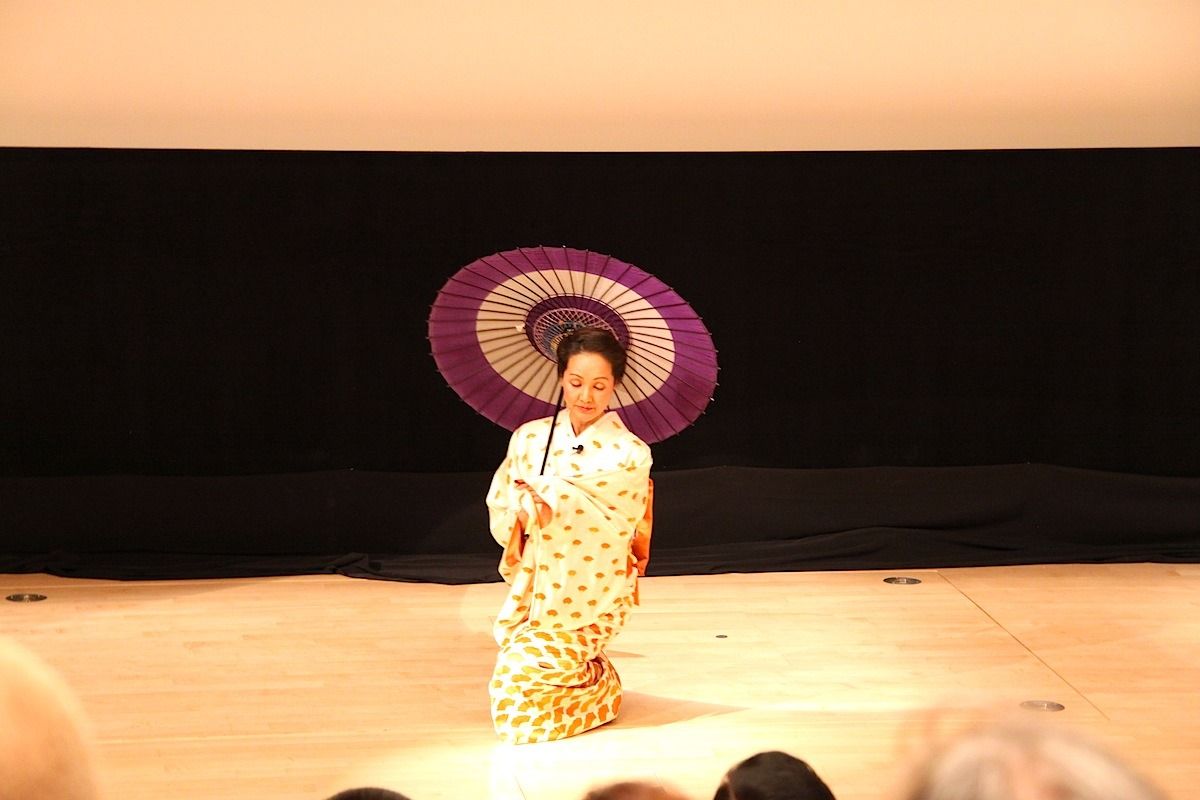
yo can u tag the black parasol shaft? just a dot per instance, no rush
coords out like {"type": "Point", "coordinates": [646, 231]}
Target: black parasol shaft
{"type": "Point", "coordinates": [553, 425]}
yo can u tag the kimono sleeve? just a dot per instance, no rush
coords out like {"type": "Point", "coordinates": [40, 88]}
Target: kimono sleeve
{"type": "Point", "coordinates": [503, 500]}
{"type": "Point", "coordinates": [640, 543]}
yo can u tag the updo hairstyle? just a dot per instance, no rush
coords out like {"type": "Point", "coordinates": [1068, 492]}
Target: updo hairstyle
{"type": "Point", "coordinates": [592, 340]}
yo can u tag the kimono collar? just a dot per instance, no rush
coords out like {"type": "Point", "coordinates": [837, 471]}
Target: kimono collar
{"type": "Point", "coordinates": [603, 428]}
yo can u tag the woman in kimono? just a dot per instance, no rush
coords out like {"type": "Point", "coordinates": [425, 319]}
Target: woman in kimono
{"type": "Point", "coordinates": [576, 538]}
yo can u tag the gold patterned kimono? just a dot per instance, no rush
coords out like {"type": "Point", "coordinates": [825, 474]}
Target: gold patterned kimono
{"type": "Point", "coordinates": [571, 583]}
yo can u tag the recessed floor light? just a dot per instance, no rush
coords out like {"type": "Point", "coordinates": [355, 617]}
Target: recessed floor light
{"type": "Point", "coordinates": [1042, 705]}
{"type": "Point", "coordinates": [25, 597]}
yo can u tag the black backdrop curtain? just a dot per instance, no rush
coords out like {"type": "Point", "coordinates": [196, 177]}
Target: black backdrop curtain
{"type": "Point", "coordinates": [250, 326]}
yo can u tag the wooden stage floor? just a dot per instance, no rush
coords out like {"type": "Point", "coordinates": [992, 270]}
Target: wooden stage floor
{"type": "Point", "coordinates": [299, 687]}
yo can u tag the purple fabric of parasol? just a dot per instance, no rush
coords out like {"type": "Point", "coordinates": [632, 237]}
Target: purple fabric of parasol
{"type": "Point", "coordinates": [495, 325]}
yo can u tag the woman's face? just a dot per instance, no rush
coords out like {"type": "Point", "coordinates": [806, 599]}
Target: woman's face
{"type": "Point", "coordinates": [587, 386]}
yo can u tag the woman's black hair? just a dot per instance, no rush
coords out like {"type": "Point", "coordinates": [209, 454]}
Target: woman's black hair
{"type": "Point", "coordinates": [592, 340]}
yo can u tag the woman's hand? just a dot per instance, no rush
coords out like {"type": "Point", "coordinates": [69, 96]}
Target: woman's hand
{"type": "Point", "coordinates": [544, 512]}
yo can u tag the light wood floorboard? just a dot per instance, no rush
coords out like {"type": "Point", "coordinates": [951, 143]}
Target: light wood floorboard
{"type": "Point", "coordinates": [297, 687]}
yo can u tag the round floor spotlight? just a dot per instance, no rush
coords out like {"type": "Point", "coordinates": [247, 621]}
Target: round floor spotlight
{"type": "Point", "coordinates": [25, 597]}
{"type": "Point", "coordinates": [902, 581]}
{"type": "Point", "coordinates": [1042, 705]}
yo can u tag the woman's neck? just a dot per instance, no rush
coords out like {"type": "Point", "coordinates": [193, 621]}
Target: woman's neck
{"type": "Point", "coordinates": [578, 429]}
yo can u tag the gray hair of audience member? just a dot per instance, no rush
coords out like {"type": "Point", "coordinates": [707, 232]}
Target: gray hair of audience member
{"type": "Point", "coordinates": [45, 741]}
{"type": "Point", "coordinates": [368, 793]}
{"type": "Point", "coordinates": [773, 775]}
{"type": "Point", "coordinates": [633, 790]}
{"type": "Point", "coordinates": [1024, 761]}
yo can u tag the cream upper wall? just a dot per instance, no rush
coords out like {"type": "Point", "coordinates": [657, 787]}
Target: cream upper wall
{"type": "Point", "coordinates": [619, 75]}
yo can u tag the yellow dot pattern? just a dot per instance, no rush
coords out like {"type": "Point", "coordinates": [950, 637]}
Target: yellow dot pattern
{"type": "Point", "coordinates": [551, 684]}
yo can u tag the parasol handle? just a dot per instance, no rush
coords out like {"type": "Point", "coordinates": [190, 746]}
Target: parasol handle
{"type": "Point", "coordinates": [550, 438]}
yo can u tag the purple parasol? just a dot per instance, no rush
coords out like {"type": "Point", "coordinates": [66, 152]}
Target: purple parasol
{"type": "Point", "coordinates": [495, 325]}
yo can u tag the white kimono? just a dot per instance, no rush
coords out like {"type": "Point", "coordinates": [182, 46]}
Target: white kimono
{"type": "Point", "coordinates": [572, 582]}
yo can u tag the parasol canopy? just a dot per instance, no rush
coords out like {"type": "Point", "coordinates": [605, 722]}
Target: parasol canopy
{"type": "Point", "coordinates": [495, 326]}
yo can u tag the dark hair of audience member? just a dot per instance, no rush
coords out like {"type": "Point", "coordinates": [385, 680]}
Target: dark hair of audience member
{"type": "Point", "coordinates": [368, 793]}
{"type": "Point", "coordinates": [633, 790]}
{"type": "Point", "coordinates": [773, 775]}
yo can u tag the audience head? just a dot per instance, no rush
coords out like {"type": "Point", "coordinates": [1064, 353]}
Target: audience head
{"type": "Point", "coordinates": [1024, 761]}
{"type": "Point", "coordinates": [633, 790]}
{"type": "Point", "coordinates": [772, 776]}
{"type": "Point", "coordinates": [368, 793]}
{"type": "Point", "coordinates": [45, 746]}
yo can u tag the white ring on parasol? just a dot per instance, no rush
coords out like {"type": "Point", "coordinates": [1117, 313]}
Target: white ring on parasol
{"type": "Point", "coordinates": [651, 351]}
